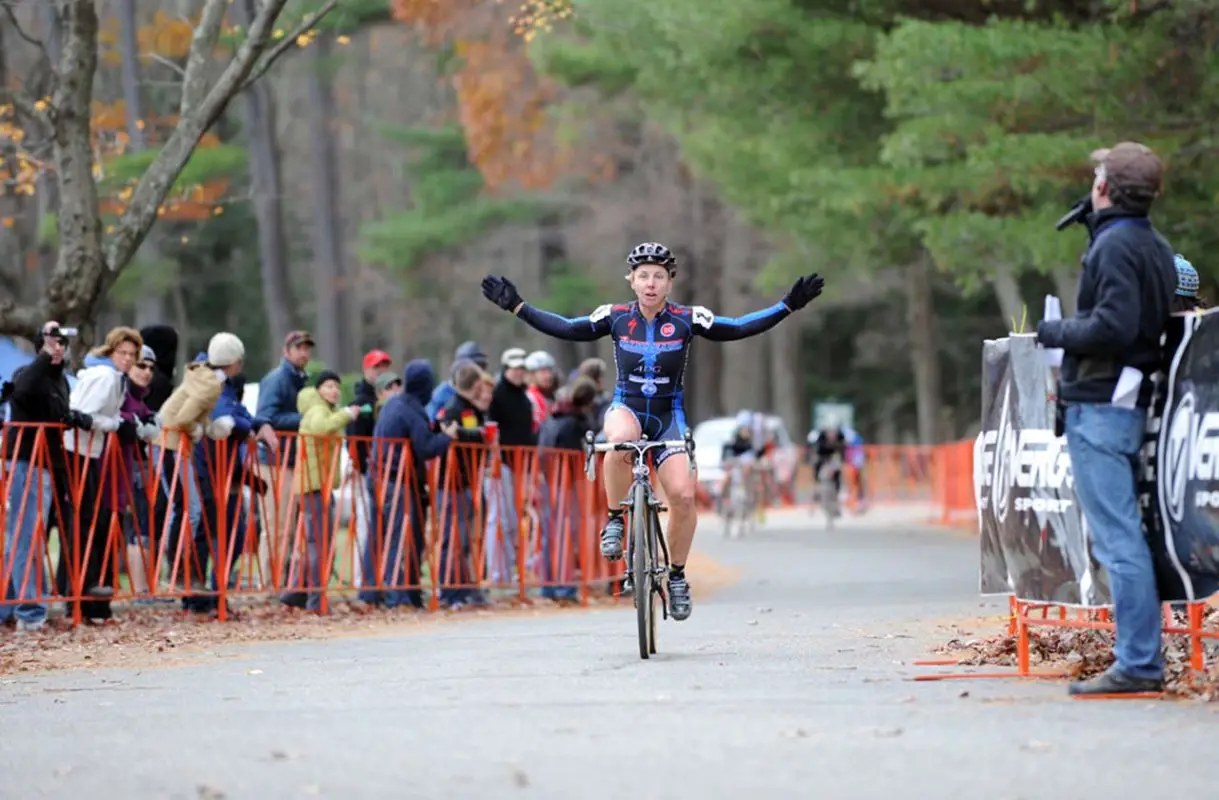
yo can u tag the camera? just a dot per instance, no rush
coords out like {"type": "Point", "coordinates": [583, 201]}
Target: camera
{"type": "Point", "coordinates": [61, 333]}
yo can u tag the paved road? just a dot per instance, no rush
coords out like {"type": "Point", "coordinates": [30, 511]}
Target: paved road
{"type": "Point", "coordinates": [784, 681]}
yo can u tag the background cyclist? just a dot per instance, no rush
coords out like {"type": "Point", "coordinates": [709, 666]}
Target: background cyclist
{"type": "Point", "coordinates": [651, 342]}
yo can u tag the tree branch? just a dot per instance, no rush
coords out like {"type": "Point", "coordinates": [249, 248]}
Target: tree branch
{"type": "Point", "coordinates": [160, 59]}
{"type": "Point", "coordinates": [12, 17]}
{"type": "Point", "coordinates": [194, 82]}
{"type": "Point", "coordinates": [288, 41]}
{"type": "Point", "coordinates": [159, 178]}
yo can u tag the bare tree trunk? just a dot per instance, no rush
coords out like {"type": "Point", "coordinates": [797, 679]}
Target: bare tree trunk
{"type": "Point", "coordinates": [267, 188]}
{"type": "Point", "coordinates": [331, 287]}
{"type": "Point", "coordinates": [1011, 301]}
{"type": "Point", "coordinates": [924, 348]}
{"type": "Point", "coordinates": [150, 308]}
{"type": "Point", "coordinates": [703, 278]}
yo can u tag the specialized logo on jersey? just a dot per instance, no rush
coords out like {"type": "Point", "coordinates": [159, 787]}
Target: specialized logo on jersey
{"type": "Point", "coordinates": [702, 316]}
{"type": "Point", "coordinates": [630, 326]}
{"type": "Point", "coordinates": [667, 329]}
{"type": "Point", "coordinates": [600, 313]}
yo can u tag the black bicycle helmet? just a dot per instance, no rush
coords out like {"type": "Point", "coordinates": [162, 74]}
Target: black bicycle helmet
{"type": "Point", "coordinates": [651, 253]}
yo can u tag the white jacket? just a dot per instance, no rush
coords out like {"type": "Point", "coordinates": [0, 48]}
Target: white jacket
{"type": "Point", "coordinates": [99, 392]}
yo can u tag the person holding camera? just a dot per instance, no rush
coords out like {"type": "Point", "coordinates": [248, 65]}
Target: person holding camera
{"type": "Point", "coordinates": [1125, 300]}
{"type": "Point", "coordinates": [38, 399]}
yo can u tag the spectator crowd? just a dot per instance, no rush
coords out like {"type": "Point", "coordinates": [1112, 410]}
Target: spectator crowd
{"type": "Point", "coordinates": [163, 475]}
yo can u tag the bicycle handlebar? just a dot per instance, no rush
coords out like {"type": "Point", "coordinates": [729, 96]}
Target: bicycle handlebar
{"type": "Point", "coordinates": [640, 447]}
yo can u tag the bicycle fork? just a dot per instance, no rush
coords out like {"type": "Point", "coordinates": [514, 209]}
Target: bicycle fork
{"type": "Point", "coordinates": [659, 570]}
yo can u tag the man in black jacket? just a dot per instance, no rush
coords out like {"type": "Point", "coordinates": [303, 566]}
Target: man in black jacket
{"type": "Point", "coordinates": [1124, 301]}
{"type": "Point", "coordinates": [38, 402]}
{"type": "Point", "coordinates": [512, 411]}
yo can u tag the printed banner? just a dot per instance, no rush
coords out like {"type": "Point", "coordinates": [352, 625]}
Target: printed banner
{"type": "Point", "coordinates": [1034, 539]}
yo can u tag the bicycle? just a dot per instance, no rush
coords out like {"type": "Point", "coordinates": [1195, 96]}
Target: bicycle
{"type": "Point", "coordinates": [827, 492]}
{"type": "Point", "coordinates": [741, 503]}
{"type": "Point", "coordinates": [647, 539]}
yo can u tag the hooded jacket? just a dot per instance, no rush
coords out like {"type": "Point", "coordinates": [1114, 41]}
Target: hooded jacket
{"type": "Point", "coordinates": [321, 431]}
{"type": "Point", "coordinates": [164, 343]}
{"type": "Point", "coordinates": [209, 453]}
{"type": "Point", "coordinates": [404, 423]}
{"type": "Point", "coordinates": [363, 426]}
{"type": "Point", "coordinates": [191, 403]}
{"type": "Point", "coordinates": [468, 351]}
{"type": "Point", "coordinates": [99, 392]}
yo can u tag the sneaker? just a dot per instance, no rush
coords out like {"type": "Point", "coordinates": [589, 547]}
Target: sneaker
{"type": "Point", "coordinates": [1114, 681]}
{"type": "Point", "coordinates": [30, 627]}
{"type": "Point", "coordinates": [680, 605]}
{"type": "Point", "coordinates": [611, 538]}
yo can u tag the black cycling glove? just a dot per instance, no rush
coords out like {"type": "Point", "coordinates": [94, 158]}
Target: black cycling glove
{"type": "Point", "coordinates": [501, 292]}
{"type": "Point", "coordinates": [803, 291]}
{"type": "Point", "coordinates": [78, 419]}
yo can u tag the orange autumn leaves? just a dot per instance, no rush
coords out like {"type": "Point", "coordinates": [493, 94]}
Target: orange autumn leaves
{"type": "Point", "coordinates": [502, 102]}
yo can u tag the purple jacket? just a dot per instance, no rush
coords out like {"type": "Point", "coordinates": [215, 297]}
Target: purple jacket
{"type": "Point", "coordinates": [131, 456]}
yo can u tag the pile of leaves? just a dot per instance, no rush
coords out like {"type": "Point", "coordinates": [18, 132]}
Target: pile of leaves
{"type": "Point", "coordinates": [1082, 653]}
{"type": "Point", "coordinates": [164, 635]}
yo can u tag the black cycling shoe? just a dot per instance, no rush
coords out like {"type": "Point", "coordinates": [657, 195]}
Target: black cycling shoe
{"type": "Point", "coordinates": [611, 537]}
{"type": "Point", "coordinates": [680, 604]}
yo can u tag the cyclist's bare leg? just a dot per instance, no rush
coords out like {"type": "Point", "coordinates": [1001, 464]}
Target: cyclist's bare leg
{"type": "Point", "coordinates": [620, 426]}
{"type": "Point", "coordinates": [679, 486]}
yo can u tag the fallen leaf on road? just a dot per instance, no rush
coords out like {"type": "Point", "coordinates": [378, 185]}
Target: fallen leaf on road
{"type": "Point", "coordinates": [1035, 746]}
{"type": "Point", "coordinates": [253, 672]}
{"type": "Point", "coordinates": [520, 779]}
{"type": "Point", "coordinates": [798, 733]}
{"type": "Point", "coordinates": [752, 622]}
{"type": "Point", "coordinates": [209, 792]}
{"type": "Point", "coordinates": [888, 733]}
{"type": "Point", "coordinates": [963, 694]}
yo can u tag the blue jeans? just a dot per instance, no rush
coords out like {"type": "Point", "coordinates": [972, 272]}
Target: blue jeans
{"type": "Point", "coordinates": [1104, 443]}
{"type": "Point", "coordinates": [456, 510]}
{"type": "Point", "coordinates": [184, 492]}
{"type": "Point", "coordinates": [383, 562]}
{"type": "Point", "coordinates": [26, 561]}
{"type": "Point", "coordinates": [319, 526]}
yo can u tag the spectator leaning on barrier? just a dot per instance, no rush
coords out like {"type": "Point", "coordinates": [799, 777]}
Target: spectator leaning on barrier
{"type": "Point", "coordinates": [468, 409]}
{"type": "Point", "coordinates": [403, 422]}
{"type": "Point", "coordinates": [224, 452]}
{"type": "Point", "coordinates": [375, 364]}
{"type": "Point", "coordinates": [317, 475]}
{"type": "Point", "coordinates": [467, 352]}
{"type": "Point", "coordinates": [277, 393]}
{"type": "Point", "coordinates": [185, 419]}
{"type": "Point", "coordinates": [139, 428]}
{"type": "Point", "coordinates": [1125, 300]}
{"type": "Point", "coordinates": [100, 389]}
{"type": "Point", "coordinates": [562, 435]}
{"type": "Point", "coordinates": [37, 397]}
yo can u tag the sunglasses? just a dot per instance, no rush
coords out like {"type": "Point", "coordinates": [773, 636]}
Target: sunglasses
{"type": "Point", "coordinates": [144, 365]}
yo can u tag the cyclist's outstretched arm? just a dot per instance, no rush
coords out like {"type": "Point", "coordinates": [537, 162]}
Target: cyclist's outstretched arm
{"type": "Point", "coordinates": [588, 328]}
{"type": "Point", "coordinates": [729, 329]}
{"type": "Point", "coordinates": [503, 293]}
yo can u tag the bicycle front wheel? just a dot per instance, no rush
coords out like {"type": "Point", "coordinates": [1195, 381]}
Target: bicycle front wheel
{"type": "Point", "coordinates": [641, 568]}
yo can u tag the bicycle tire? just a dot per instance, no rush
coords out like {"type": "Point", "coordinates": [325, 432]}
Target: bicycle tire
{"type": "Point", "coordinates": [641, 568]}
{"type": "Point", "coordinates": [654, 549]}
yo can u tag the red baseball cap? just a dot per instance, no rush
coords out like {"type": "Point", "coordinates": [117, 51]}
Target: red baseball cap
{"type": "Point", "coordinates": [375, 358]}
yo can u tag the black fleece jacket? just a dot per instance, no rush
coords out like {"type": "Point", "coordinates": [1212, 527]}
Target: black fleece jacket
{"type": "Point", "coordinates": [1124, 302]}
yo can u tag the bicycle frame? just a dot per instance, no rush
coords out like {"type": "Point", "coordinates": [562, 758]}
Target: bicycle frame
{"type": "Point", "coordinates": [644, 571]}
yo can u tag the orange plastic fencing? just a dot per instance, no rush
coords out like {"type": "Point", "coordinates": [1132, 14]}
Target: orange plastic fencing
{"type": "Point", "coordinates": [209, 523]}
{"type": "Point", "coordinates": [213, 524]}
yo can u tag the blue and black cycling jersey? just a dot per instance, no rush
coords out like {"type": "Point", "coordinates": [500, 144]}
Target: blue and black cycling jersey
{"type": "Point", "coordinates": [650, 357]}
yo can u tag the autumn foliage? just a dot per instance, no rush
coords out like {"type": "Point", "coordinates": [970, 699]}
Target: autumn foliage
{"type": "Point", "coordinates": [503, 103]}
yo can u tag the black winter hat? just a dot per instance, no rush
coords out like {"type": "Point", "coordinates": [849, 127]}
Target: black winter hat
{"type": "Point", "coordinates": [328, 375]}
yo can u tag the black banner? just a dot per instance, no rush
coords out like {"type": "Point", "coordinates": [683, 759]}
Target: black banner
{"type": "Point", "coordinates": [1033, 537]}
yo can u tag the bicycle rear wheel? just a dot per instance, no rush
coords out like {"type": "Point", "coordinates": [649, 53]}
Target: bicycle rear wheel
{"type": "Point", "coordinates": [641, 569]}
